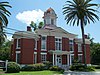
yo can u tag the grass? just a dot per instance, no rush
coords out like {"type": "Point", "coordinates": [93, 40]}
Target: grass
{"type": "Point", "coordinates": [97, 70]}
{"type": "Point", "coordinates": [46, 72]}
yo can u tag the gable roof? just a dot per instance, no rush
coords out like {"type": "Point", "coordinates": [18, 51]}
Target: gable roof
{"type": "Point", "coordinates": [57, 32]}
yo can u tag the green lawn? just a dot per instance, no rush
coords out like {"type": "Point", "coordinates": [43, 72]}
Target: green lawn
{"type": "Point", "coordinates": [47, 72]}
{"type": "Point", "coordinates": [97, 70]}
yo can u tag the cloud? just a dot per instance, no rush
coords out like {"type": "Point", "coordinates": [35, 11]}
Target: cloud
{"type": "Point", "coordinates": [28, 16]}
{"type": "Point", "coordinates": [9, 37]}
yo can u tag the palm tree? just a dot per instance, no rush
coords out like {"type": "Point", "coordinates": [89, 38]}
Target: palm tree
{"type": "Point", "coordinates": [3, 19]}
{"type": "Point", "coordinates": [80, 12]}
{"type": "Point", "coordinates": [2, 38]}
{"type": "Point", "coordinates": [4, 13]}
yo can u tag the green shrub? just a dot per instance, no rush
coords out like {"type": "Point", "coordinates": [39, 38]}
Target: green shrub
{"type": "Point", "coordinates": [47, 65]}
{"type": "Point", "coordinates": [90, 68]}
{"type": "Point", "coordinates": [97, 66]}
{"type": "Point", "coordinates": [56, 68]}
{"type": "Point", "coordinates": [13, 67]}
{"type": "Point", "coordinates": [33, 67]}
{"type": "Point", "coordinates": [81, 67]}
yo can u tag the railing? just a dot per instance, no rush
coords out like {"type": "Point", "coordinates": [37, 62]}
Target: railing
{"type": "Point", "coordinates": [3, 64]}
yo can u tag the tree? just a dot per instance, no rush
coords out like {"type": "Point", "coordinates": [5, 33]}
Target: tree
{"type": "Point", "coordinates": [80, 12]}
{"type": "Point", "coordinates": [3, 19]}
{"type": "Point", "coordinates": [2, 38]}
{"type": "Point", "coordinates": [95, 53]}
{"type": "Point", "coordinates": [34, 25]}
{"type": "Point", "coordinates": [5, 51]}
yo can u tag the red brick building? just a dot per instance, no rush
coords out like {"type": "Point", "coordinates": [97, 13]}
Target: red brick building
{"type": "Point", "coordinates": [50, 43]}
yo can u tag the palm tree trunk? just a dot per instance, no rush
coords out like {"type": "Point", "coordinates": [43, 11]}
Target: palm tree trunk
{"type": "Point", "coordinates": [83, 40]}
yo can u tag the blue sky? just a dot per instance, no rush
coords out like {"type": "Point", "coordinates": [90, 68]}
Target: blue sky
{"type": "Point", "coordinates": [21, 6]}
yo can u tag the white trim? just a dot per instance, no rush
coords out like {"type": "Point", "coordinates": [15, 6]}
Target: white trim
{"type": "Point", "coordinates": [45, 42]}
{"type": "Point", "coordinates": [88, 64]}
{"type": "Point", "coordinates": [79, 48]}
{"type": "Point", "coordinates": [43, 57]}
{"type": "Point", "coordinates": [80, 54]}
{"type": "Point", "coordinates": [17, 44]}
{"type": "Point", "coordinates": [43, 53]}
{"type": "Point", "coordinates": [35, 52]}
{"type": "Point", "coordinates": [81, 57]}
{"type": "Point", "coordinates": [70, 58]}
{"type": "Point", "coordinates": [35, 57]}
{"type": "Point", "coordinates": [58, 42]}
{"type": "Point", "coordinates": [18, 51]}
{"type": "Point", "coordinates": [35, 48]}
{"type": "Point", "coordinates": [71, 38]}
{"type": "Point", "coordinates": [58, 37]}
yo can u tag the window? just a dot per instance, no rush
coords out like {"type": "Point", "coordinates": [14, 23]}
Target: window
{"type": "Point", "coordinates": [72, 58]}
{"type": "Point", "coordinates": [52, 21]}
{"type": "Point", "coordinates": [18, 57]}
{"type": "Point", "coordinates": [79, 47]}
{"type": "Point", "coordinates": [80, 58]}
{"type": "Point", "coordinates": [35, 58]}
{"type": "Point", "coordinates": [58, 44]}
{"type": "Point", "coordinates": [43, 43]}
{"type": "Point", "coordinates": [71, 47]}
{"type": "Point", "coordinates": [43, 57]}
{"type": "Point", "coordinates": [35, 48]}
{"type": "Point", "coordinates": [18, 43]}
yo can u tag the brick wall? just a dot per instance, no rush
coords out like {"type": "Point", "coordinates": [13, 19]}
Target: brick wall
{"type": "Point", "coordinates": [65, 47]}
{"type": "Point", "coordinates": [27, 46]}
{"type": "Point", "coordinates": [87, 53]}
{"type": "Point", "coordinates": [39, 50]}
{"type": "Point", "coordinates": [50, 46]}
{"type": "Point", "coordinates": [75, 51]}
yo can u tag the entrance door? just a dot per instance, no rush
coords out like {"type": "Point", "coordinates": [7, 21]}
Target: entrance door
{"type": "Point", "coordinates": [59, 60]}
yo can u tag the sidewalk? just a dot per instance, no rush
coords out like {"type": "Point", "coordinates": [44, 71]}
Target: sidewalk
{"type": "Point", "coordinates": [81, 73]}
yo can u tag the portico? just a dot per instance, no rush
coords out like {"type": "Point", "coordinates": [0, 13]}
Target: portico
{"type": "Point", "coordinates": [57, 57]}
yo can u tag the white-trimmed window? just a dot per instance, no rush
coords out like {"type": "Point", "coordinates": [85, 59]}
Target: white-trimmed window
{"type": "Point", "coordinates": [71, 59]}
{"type": "Point", "coordinates": [43, 57]}
{"type": "Point", "coordinates": [52, 21]}
{"type": "Point", "coordinates": [58, 43]}
{"type": "Point", "coordinates": [80, 58]}
{"type": "Point", "coordinates": [71, 45]}
{"type": "Point", "coordinates": [35, 57]}
{"type": "Point", "coordinates": [35, 48]}
{"type": "Point", "coordinates": [79, 48]}
{"type": "Point", "coordinates": [17, 56]}
{"type": "Point", "coordinates": [18, 43]}
{"type": "Point", "coordinates": [43, 43]}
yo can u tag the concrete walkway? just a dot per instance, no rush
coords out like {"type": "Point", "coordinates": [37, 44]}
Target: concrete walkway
{"type": "Point", "coordinates": [81, 73]}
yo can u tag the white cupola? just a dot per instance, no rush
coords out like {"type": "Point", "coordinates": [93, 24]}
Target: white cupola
{"type": "Point", "coordinates": [50, 17]}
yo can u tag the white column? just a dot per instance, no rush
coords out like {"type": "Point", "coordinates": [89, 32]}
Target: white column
{"type": "Point", "coordinates": [56, 59]}
{"type": "Point", "coordinates": [6, 62]}
{"type": "Point", "coordinates": [68, 59]}
{"type": "Point", "coordinates": [53, 59]}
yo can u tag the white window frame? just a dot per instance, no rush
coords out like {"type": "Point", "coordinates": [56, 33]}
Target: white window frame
{"type": "Point", "coordinates": [79, 55]}
{"type": "Point", "coordinates": [71, 58]}
{"type": "Point", "coordinates": [72, 43]}
{"type": "Point", "coordinates": [58, 42]}
{"type": "Point", "coordinates": [17, 52]}
{"type": "Point", "coordinates": [45, 43]}
{"type": "Point", "coordinates": [35, 57]}
{"type": "Point", "coordinates": [80, 47]}
{"type": "Point", "coordinates": [43, 59]}
{"type": "Point", "coordinates": [17, 45]}
{"type": "Point", "coordinates": [35, 48]}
